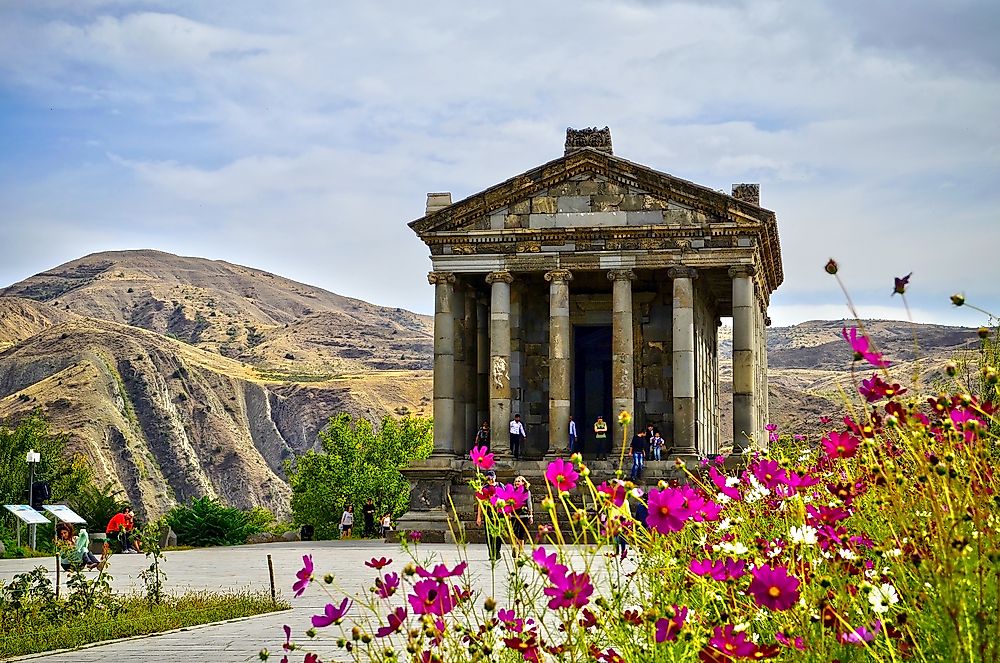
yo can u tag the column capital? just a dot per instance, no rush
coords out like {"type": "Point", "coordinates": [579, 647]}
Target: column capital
{"type": "Point", "coordinates": [503, 275]}
{"type": "Point", "coordinates": [435, 278]}
{"type": "Point", "coordinates": [559, 275]}
{"type": "Point", "coordinates": [681, 272]}
{"type": "Point", "coordinates": [742, 270]}
{"type": "Point", "coordinates": [621, 275]}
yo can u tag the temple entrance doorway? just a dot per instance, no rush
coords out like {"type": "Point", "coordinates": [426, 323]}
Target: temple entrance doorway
{"type": "Point", "coordinates": [591, 381]}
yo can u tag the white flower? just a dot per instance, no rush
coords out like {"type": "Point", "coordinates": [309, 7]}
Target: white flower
{"type": "Point", "coordinates": [804, 534]}
{"type": "Point", "coordinates": [732, 481]}
{"type": "Point", "coordinates": [880, 596]}
{"type": "Point", "coordinates": [722, 498]}
{"type": "Point", "coordinates": [895, 552]}
{"type": "Point", "coordinates": [733, 548]}
{"type": "Point", "coordinates": [847, 553]}
{"type": "Point", "coordinates": [723, 525]}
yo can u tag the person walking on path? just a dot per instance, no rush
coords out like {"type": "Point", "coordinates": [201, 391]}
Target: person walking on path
{"type": "Point", "coordinates": [517, 436]}
{"type": "Point", "coordinates": [524, 518]}
{"type": "Point", "coordinates": [494, 521]}
{"type": "Point", "coordinates": [574, 445]}
{"type": "Point", "coordinates": [347, 522]}
{"type": "Point", "coordinates": [368, 511]}
{"type": "Point", "coordinates": [601, 437]}
{"type": "Point", "coordinates": [482, 436]}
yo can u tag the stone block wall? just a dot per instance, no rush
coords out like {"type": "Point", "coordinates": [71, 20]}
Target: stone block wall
{"type": "Point", "coordinates": [654, 346]}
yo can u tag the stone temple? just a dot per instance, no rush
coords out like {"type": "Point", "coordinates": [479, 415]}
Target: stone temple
{"type": "Point", "coordinates": [590, 285]}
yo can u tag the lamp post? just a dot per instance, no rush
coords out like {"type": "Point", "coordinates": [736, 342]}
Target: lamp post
{"type": "Point", "coordinates": [32, 457]}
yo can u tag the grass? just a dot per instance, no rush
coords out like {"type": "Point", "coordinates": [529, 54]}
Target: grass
{"type": "Point", "coordinates": [137, 617]}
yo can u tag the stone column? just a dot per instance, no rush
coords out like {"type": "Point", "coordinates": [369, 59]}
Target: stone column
{"type": "Point", "coordinates": [622, 352]}
{"type": "Point", "coordinates": [444, 361]}
{"type": "Point", "coordinates": [682, 360]}
{"type": "Point", "coordinates": [482, 363]}
{"type": "Point", "coordinates": [499, 372]}
{"type": "Point", "coordinates": [743, 356]}
{"type": "Point", "coordinates": [559, 352]}
{"type": "Point", "coordinates": [470, 389]}
{"type": "Point", "coordinates": [459, 396]}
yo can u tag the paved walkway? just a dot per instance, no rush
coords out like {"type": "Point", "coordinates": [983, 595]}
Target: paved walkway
{"type": "Point", "coordinates": [237, 568]}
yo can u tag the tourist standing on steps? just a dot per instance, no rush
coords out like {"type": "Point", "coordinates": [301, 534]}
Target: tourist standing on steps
{"type": "Point", "coordinates": [601, 437]}
{"type": "Point", "coordinates": [640, 446]}
{"type": "Point", "coordinates": [517, 436]}
{"type": "Point", "coordinates": [573, 444]}
{"type": "Point", "coordinates": [368, 511]}
{"type": "Point", "coordinates": [482, 436]}
{"type": "Point", "coordinates": [347, 522]}
{"type": "Point", "coordinates": [657, 446]}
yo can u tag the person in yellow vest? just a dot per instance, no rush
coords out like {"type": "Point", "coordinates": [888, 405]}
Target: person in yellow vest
{"type": "Point", "coordinates": [601, 438]}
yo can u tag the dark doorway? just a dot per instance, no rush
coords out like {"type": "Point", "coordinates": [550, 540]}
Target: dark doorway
{"type": "Point", "coordinates": [591, 381]}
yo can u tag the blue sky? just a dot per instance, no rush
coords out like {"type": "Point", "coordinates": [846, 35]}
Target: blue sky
{"type": "Point", "coordinates": [302, 140]}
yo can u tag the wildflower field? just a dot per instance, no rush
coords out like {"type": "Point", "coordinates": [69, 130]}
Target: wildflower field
{"type": "Point", "coordinates": [881, 543]}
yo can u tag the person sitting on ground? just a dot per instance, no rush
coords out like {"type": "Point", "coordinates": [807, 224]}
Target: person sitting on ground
{"type": "Point", "coordinates": [121, 528]}
{"type": "Point", "coordinates": [74, 549]}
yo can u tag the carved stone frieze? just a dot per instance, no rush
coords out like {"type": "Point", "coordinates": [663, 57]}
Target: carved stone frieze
{"type": "Point", "coordinates": [504, 276]}
{"type": "Point", "coordinates": [599, 139]}
{"type": "Point", "coordinates": [682, 272]}
{"type": "Point", "coordinates": [559, 275]}
{"type": "Point", "coordinates": [621, 275]}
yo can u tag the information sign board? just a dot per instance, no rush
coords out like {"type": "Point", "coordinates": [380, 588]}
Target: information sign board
{"type": "Point", "coordinates": [27, 514]}
{"type": "Point", "coordinates": [65, 514]}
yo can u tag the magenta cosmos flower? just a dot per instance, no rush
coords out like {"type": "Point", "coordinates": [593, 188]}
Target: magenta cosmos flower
{"type": "Point", "coordinates": [570, 590]}
{"type": "Point", "coordinates": [378, 564]}
{"type": "Point", "coordinates": [304, 576]}
{"type": "Point", "coordinates": [668, 510]}
{"type": "Point", "coordinates": [441, 571]}
{"type": "Point", "coordinates": [773, 588]}
{"type": "Point", "coordinates": [396, 619]}
{"type": "Point", "coordinates": [615, 493]}
{"type": "Point", "coordinates": [509, 498]}
{"type": "Point", "coordinates": [482, 458]}
{"type": "Point", "coordinates": [840, 445]}
{"type": "Point", "coordinates": [875, 389]}
{"type": "Point", "coordinates": [561, 474]}
{"type": "Point", "coordinates": [431, 597]}
{"type": "Point", "coordinates": [331, 614]}
{"type": "Point", "coordinates": [732, 643]}
{"type": "Point", "coordinates": [722, 569]}
{"type": "Point", "coordinates": [861, 348]}
{"type": "Point", "coordinates": [668, 628]}
{"type": "Point", "coordinates": [387, 586]}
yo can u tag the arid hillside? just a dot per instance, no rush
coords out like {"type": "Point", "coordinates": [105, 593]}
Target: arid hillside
{"type": "Point", "coordinates": [179, 377]}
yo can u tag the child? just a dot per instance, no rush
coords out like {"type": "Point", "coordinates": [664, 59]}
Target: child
{"type": "Point", "coordinates": [658, 444]}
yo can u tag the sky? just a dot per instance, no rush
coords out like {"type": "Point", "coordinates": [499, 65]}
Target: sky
{"type": "Point", "coordinates": [301, 137]}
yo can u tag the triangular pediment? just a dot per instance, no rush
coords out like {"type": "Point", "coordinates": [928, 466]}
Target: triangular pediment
{"type": "Point", "coordinates": [590, 183]}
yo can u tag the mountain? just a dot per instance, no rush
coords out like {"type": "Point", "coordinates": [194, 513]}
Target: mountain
{"type": "Point", "coordinates": [178, 377]}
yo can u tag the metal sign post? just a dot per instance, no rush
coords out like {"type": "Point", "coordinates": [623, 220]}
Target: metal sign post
{"type": "Point", "coordinates": [32, 458]}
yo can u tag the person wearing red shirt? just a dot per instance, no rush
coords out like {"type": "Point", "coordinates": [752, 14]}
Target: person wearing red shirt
{"type": "Point", "coordinates": [120, 527]}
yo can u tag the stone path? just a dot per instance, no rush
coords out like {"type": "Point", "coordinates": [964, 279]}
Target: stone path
{"type": "Point", "coordinates": [236, 568]}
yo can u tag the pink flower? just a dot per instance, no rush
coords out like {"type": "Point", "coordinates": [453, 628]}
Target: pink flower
{"type": "Point", "coordinates": [331, 614]}
{"type": "Point", "coordinates": [509, 498]}
{"type": "Point", "coordinates": [441, 571]}
{"type": "Point", "coordinates": [722, 569]}
{"type": "Point", "coordinates": [861, 348]}
{"type": "Point", "coordinates": [386, 587]}
{"type": "Point", "coordinates": [304, 576]}
{"type": "Point", "coordinates": [667, 629]}
{"type": "Point", "coordinates": [732, 643]}
{"type": "Point", "coordinates": [396, 620]}
{"type": "Point", "coordinates": [875, 389]}
{"type": "Point", "coordinates": [482, 458]}
{"type": "Point", "coordinates": [416, 536]}
{"type": "Point", "coordinates": [861, 635]}
{"type": "Point", "coordinates": [431, 597]}
{"type": "Point", "coordinates": [770, 474]}
{"type": "Point", "coordinates": [720, 482]}
{"type": "Point", "coordinates": [615, 492]}
{"type": "Point", "coordinates": [774, 588]}
{"type": "Point", "coordinates": [840, 445]}
{"type": "Point", "coordinates": [668, 510]}
{"type": "Point", "coordinates": [569, 590]}
{"type": "Point", "coordinates": [378, 564]}
{"type": "Point", "coordinates": [797, 643]}
{"type": "Point", "coordinates": [562, 475]}
{"type": "Point", "coordinates": [547, 562]}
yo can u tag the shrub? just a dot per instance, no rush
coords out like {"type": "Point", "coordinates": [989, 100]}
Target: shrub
{"type": "Point", "coordinates": [207, 522]}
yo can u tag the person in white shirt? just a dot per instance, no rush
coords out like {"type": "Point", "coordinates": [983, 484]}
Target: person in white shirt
{"type": "Point", "coordinates": [517, 436]}
{"type": "Point", "coordinates": [573, 445]}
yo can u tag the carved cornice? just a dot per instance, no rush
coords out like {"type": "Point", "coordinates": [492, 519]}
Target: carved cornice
{"type": "Point", "coordinates": [621, 275]}
{"type": "Point", "coordinates": [559, 275]}
{"type": "Point", "coordinates": [682, 273]}
{"type": "Point", "coordinates": [441, 278]}
{"type": "Point", "coordinates": [742, 271]}
{"type": "Point", "coordinates": [503, 276]}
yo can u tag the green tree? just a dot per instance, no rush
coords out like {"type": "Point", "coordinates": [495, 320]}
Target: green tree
{"type": "Point", "coordinates": [357, 462]}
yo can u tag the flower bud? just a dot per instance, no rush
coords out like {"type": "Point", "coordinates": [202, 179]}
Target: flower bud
{"type": "Point", "coordinates": [831, 266]}
{"type": "Point", "coordinates": [951, 368]}
{"type": "Point", "coordinates": [624, 418]}
{"type": "Point", "coordinates": [984, 332]}
{"type": "Point", "coordinates": [958, 299]}
{"type": "Point", "coordinates": [409, 569]}
{"type": "Point", "coordinates": [328, 578]}
{"type": "Point", "coordinates": [490, 604]}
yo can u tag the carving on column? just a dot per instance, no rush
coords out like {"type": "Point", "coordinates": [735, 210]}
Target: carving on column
{"type": "Point", "coordinates": [621, 275]}
{"type": "Point", "coordinates": [559, 275]}
{"type": "Point", "coordinates": [499, 372]}
{"type": "Point", "coordinates": [682, 273]}
{"type": "Point", "coordinates": [504, 276]}
{"type": "Point", "coordinates": [440, 277]}
{"type": "Point", "coordinates": [742, 270]}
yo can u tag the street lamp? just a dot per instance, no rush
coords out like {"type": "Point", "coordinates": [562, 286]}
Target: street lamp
{"type": "Point", "coordinates": [32, 457]}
